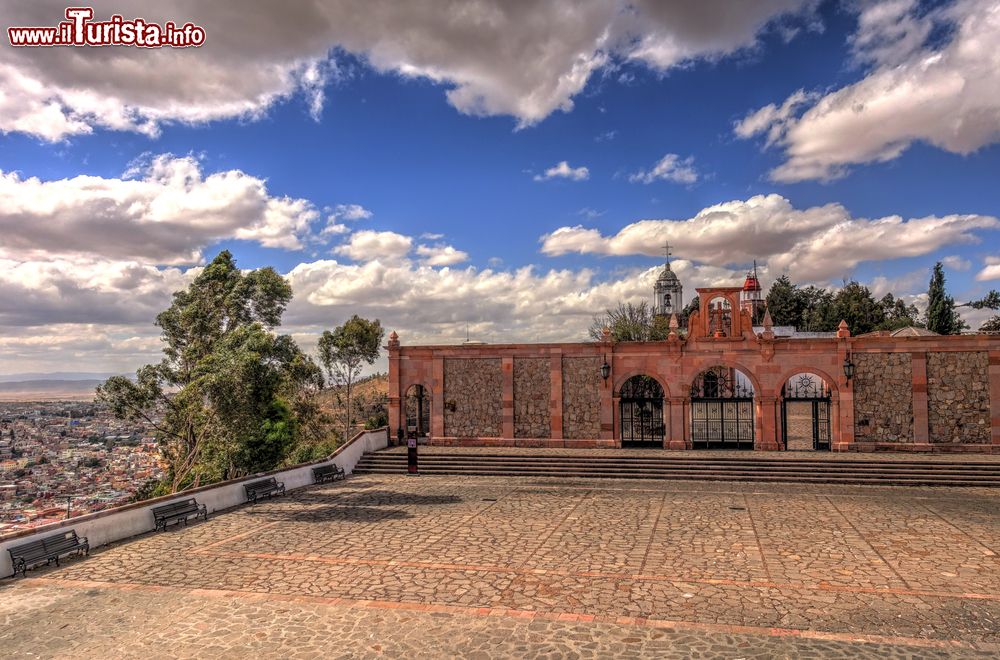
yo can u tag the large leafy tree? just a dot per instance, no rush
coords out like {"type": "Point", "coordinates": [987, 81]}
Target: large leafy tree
{"type": "Point", "coordinates": [344, 353]}
{"type": "Point", "coordinates": [219, 399]}
{"type": "Point", "coordinates": [630, 322]}
{"type": "Point", "coordinates": [784, 302]}
{"type": "Point", "coordinates": [855, 304]}
{"type": "Point", "coordinates": [897, 314]}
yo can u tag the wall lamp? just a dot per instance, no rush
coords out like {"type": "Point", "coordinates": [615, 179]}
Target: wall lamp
{"type": "Point", "coordinates": [605, 369]}
{"type": "Point", "coordinates": [848, 367]}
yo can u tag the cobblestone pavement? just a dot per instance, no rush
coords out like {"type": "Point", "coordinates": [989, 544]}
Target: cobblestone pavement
{"type": "Point", "coordinates": [489, 567]}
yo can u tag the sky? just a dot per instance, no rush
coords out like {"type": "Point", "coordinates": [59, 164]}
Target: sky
{"type": "Point", "coordinates": [502, 168]}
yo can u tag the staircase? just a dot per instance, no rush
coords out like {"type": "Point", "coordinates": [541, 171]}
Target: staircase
{"type": "Point", "coordinates": [863, 471]}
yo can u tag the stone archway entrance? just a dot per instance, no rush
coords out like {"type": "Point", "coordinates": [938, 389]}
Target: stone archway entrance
{"type": "Point", "coordinates": [418, 411]}
{"type": "Point", "coordinates": [640, 409]}
{"type": "Point", "coordinates": [722, 410]}
{"type": "Point", "coordinates": [805, 413]}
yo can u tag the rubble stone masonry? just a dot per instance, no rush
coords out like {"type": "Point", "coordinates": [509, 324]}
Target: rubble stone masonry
{"type": "Point", "coordinates": [473, 392]}
{"type": "Point", "coordinates": [883, 397]}
{"type": "Point", "coordinates": [581, 382]}
{"type": "Point", "coordinates": [532, 389]}
{"type": "Point", "coordinates": [958, 397]}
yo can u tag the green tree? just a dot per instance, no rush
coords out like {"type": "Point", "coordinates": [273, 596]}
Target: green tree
{"type": "Point", "coordinates": [345, 351]}
{"type": "Point", "coordinates": [942, 317]}
{"type": "Point", "coordinates": [784, 302]}
{"type": "Point", "coordinates": [897, 314]}
{"type": "Point", "coordinates": [991, 325]}
{"type": "Point", "coordinates": [855, 304]}
{"type": "Point", "coordinates": [816, 309]}
{"type": "Point", "coordinates": [224, 370]}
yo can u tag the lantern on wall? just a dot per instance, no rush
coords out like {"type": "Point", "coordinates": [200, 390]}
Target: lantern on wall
{"type": "Point", "coordinates": [848, 367]}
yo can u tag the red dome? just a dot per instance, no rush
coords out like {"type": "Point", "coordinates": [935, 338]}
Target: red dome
{"type": "Point", "coordinates": [751, 283]}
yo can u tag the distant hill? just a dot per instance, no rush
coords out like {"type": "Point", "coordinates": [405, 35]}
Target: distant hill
{"type": "Point", "coordinates": [57, 376]}
{"type": "Point", "coordinates": [49, 390]}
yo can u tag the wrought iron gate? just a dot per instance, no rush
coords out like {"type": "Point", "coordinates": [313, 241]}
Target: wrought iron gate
{"type": "Point", "coordinates": [640, 409]}
{"type": "Point", "coordinates": [721, 412]}
{"type": "Point", "coordinates": [813, 392]}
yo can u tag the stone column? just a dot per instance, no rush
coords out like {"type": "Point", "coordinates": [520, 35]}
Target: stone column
{"type": "Point", "coordinates": [765, 426]}
{"type": "Point", "coordinates": [556, 396]}
{"type": "Point", "coordinates": [675, 431]}
{"type": "Point", "coordinates": [608, 403]}
{"type": "Point", "coordinates": [994, 375]}
{"type": "Point", "coordinates": [507, 408]}
{"type": "Point", "coordinates": [921, 424]}
{"type": "Point", "coordinates": [437, 398]}
{"type": "Point", "coordinates": [842, 410]}
{"type": "Point", "coordinates": [395, 407]}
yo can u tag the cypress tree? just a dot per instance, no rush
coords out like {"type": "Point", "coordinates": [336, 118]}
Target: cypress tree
{"type": "Point", "coordinates": [942, 317]}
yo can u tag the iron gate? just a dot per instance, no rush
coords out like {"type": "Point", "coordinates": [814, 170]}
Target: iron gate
{"type": "Point", "coordinates": [811, 392]}
{"type": "Point", "coordinates": [721, 412]}
{"type": "Point", "coordinates": [640, 410]}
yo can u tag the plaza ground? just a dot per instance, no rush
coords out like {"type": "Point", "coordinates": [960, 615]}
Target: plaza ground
{"type": "Point", "coordinates": [392, 566]}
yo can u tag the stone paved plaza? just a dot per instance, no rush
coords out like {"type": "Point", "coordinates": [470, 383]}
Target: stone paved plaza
{"type": "Point", "coordinates": [396, 566]}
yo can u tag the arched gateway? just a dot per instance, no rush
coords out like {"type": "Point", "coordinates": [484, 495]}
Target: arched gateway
{"type": "Point", "coordinates": [805, 413]}
{"type": "Point", "coordinates": [722, 409]}
{"type": "Point", "coordinates": [640, 409]}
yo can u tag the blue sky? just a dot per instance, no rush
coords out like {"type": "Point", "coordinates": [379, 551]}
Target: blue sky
{"type": "Point", "coordinates": [826, 140]}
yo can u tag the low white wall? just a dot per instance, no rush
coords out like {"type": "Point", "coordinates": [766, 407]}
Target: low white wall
{"type": "Point", "coordinates": [103, 527]}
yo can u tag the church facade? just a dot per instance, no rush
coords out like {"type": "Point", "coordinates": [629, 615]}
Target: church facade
{"type": "Point", "coordinates": [725, 385]}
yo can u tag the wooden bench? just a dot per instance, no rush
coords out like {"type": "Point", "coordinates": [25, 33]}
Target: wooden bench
{"type": "Point", "coordinates": [261, 487]}
{"type": "Point", "coordinates": [178, 511]}
{"type": "Point", "coordinates": [329, 472]}
{"type": "Point", "coordinates": [46, 549]}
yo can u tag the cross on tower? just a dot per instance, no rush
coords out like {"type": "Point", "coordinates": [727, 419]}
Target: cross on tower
{"type": "Point", "coordinates": [666, 250]}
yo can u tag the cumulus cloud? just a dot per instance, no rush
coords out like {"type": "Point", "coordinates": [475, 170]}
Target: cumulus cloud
{"type": "Point", "coordinates": [669, 168]}
{"type": "Point", "coordinates": [956, 262]}
{"type": "Point", "coordinates": [368, 245]}
{"type": "Point", "coordinates": [915, 90]}
{"type": "Point", "coordinates": [562, 170]}
{"type": "Point", "coordinates": [335, 222]}
{"type": "Point", "coordinates": [814, 243]}
{"type": "Point", "coordinates": [441, 255]}
{"type": "Point", "coordinates": [990, 271]}
{"type": "Point", "coordinates": [166, 217]}
{"type": "Point", "coordinates": [526, 59]}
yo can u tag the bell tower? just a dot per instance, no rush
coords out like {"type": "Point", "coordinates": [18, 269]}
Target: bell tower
{"type": "Point", "coordinates": [668, 294]}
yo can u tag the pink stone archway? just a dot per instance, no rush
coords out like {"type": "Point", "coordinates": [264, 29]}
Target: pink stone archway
{"type": "Point", "coordinates": [616, 408]}
{"type": "Point", "coordinates": [779, 395]}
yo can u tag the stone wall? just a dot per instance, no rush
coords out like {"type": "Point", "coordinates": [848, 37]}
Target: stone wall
{"type": "Point", "coordinates": [958, 397]}
{"type": "Point", "coordinates": [473, 397]}
{"type": "Point", "coordinates": [532, 391]}
{"type": "Point", "coordinates": [581, 383]}
{"type": "Point", "coordinates": [883, 397]}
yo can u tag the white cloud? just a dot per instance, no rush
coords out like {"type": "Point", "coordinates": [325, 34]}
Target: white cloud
{"type": "Point", "coordinates": [990, 271]}
{"type": "Point", "coordinates": [431, 236]}
{"type": "Point", "coordinates": [344, 212]}
{"type": "Point", "coordinates": [350, 212]}
{"type": "Point", "coordinates": [562, 170]}
{"type": "Point", "coordinates": [915, 91]}
{"type": "Point", "coordinates": [811, 244]}
{"type": "Point", "coordinates": [956, 262]}
{"type": "Point", "coordinates": [526, 59]}
{"type": "Point", "coordinates": [166, 217]}
{"type": "Point", "coordinates": [669, 168]}
{"type": "Point", "coordinates": [371, 245]}
{"type": "Point", "coordinates": [441, 255]}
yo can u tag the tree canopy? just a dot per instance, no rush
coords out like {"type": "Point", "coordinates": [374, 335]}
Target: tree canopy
{"type": "Point", "coordinates": [224, 399]}
{"type": "Point", "coordinates": [345, 351]}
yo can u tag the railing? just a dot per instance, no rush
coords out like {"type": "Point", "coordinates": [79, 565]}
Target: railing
{"type": "Point", "coordinates": [110, 525]}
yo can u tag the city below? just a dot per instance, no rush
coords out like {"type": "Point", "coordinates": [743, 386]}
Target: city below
{"type": "Point", "coordinates": [61, 459]}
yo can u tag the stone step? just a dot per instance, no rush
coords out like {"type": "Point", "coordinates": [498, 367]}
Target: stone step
{"type": "Point", "coordinates": [708, 459]}
{"type": "Point", "coordinates": [792, 466]}
{"type": "Point", "coordinates": [918, 473]}
{"type": "Point", "coordinates": [813, 479]}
